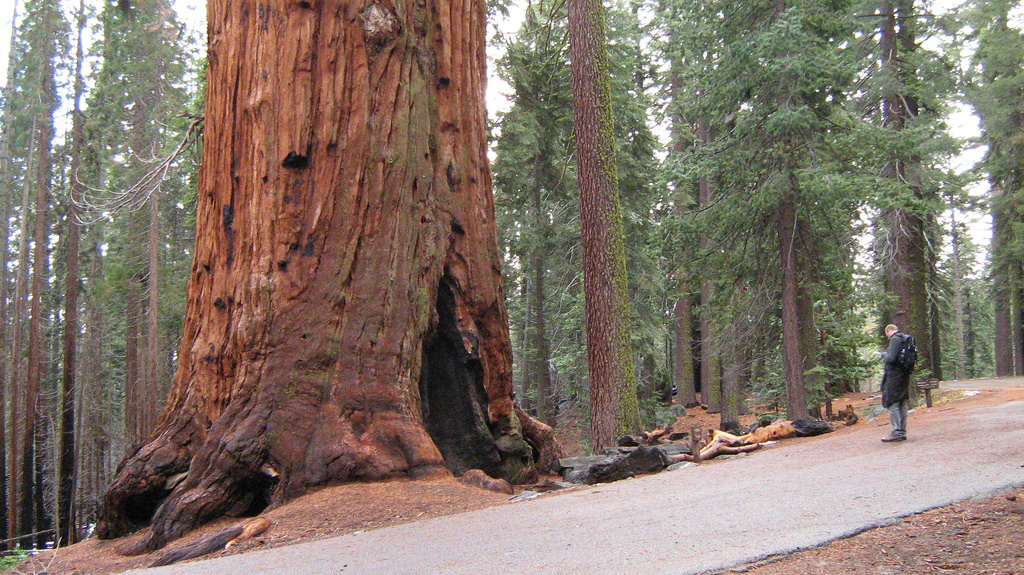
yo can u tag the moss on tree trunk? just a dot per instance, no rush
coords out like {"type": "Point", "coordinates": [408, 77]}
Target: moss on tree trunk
{"type": "Point", "coordinates": [614, 409]}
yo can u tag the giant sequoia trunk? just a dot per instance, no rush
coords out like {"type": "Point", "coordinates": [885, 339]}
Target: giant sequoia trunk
{"type": "Point", "coordinates": [345, 317]}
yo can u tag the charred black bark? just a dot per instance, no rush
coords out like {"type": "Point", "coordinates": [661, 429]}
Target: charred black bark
{"type": "Point", "coordinates": [455, 403]}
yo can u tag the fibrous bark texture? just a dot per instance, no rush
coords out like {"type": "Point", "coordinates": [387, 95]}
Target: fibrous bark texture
{"type": "Point", "coordinates": [345, 316]}
{"type": "Point", "coordinates": [613, 402]}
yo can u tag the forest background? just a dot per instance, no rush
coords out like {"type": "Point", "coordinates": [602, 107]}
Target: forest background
{"type": "Point", "coordinates": [791, 179]}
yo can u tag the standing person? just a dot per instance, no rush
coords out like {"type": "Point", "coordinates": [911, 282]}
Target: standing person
{"type": "Point", "coordinates": [895, 385]}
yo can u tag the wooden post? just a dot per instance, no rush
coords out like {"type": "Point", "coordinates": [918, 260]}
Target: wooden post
{"type": "Point", "coordinates": [695, 443]}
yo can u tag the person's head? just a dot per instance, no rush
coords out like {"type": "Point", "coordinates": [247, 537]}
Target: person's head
{"type": "Point", "coordinates": [890, 330]}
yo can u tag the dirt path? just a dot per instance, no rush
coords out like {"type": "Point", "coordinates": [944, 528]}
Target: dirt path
{"type": "Point", "coordinates": [795, 495]}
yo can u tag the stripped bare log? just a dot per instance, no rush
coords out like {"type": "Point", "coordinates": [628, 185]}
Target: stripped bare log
{"type": "Point", "coordinates": [724, 443]}
{"type": "Point", "coordinates": [721, 443]}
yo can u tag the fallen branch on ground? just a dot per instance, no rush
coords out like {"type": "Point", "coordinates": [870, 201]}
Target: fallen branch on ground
{"type": "Point", "coordinates": [219, 540]}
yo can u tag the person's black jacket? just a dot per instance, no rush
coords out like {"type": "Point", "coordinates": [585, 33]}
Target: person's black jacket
{"type": "Point", "coordinates": [895, 381]}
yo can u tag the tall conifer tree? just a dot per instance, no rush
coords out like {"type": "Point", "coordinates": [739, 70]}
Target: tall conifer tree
{"type": "Point", "coordinates": [993, 88]}
{"type": "Point", "coordinates": [613, 403]}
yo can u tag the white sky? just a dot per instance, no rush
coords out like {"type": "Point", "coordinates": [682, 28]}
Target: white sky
{"type": "Point", "coordinates": [6, 14]}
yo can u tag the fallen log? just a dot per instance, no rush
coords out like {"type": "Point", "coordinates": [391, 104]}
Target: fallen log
{"type": "Point", "coordinates": [724, 443]}
{"type": "Point", "coordinates": [639, 461]}
{"type": "Point", "coordinates": [785, 429]}
{"type": "Point", "coordinates": [721, 443]}
{"type": "Point", "coordinates": [215, 542]}
{"type": "Point", "coordinates": [250, 529]}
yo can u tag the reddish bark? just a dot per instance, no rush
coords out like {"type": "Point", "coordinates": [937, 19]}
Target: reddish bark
{"type": "Point", "coordinates": [66, 478]}
{"type": "Point", "coordinates": [613, 401]}
{"type": "Point", "coordinates": [40, 266]}
{"type": "Point", "coordinates": [7, 487]}
{"type": "Point", "coordinates": [345, 297]}
{"type": "Point", "coordinates": [792, 356]}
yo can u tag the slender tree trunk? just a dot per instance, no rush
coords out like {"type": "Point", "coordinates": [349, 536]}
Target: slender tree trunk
{"type": "Point", "coordinates": [133, 393]}
{"type": "Point", "coordinates": [345, 317]}
{"type": "Point", "coordinates": [1017, 319]}
{"type": "Point", "coordinates": [540, 354]}
{"type": "Point", "coordinates": [18, 383]}
{"type": "Point", "coordinates": [613, 402]}
{"type": "Point", "coordinates": [1001, 287]}
{"type": "Point", "coordinates": [539, 345]}
{"type": "Point", "coordinates": [710, 366]}
{"type": "Point", "coordinates": [8, 352]}
{"type": "Point", "coordinates": [41, 523]}
{"type": "Point", "coordinates": [94, 401]}
{"type": "Point", "coordinates": [528, 381]}
{"type": "Point", "coordinates": [934, 314]}
{"type": "Point", "coordinates": [40, 265]}
{"type": "Point", "coordinates": [792, 355]}
{"type": "Point", "coordinates": [796, 305]}
{"type": "Point", "coordinates": [7, 357]}
{"type": "Point", "coordinates": [683, 369]}
{"type": "Point", "coordinates": [4, 362]}
{"type": "Point", "coordinates": [959, 361]}
{"type": "Point", "coordinates": [66, 477]}
{"type": "Point", "coordinates": [4, 347]}
{"type": "Point", "coordinates": [152, 402]}
{"type": "Point", "coordinates": [970, 356]}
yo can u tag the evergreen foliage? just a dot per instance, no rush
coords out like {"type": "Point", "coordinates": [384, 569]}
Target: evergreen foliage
{"type": "Point", "coordinates": [994, 85]}
{"type": "Point", "coordinates": [140, 83]}
{"type": "Point", "coordinates": [538, 213]}
{"type": "Point", "coordinates": [795, 98]}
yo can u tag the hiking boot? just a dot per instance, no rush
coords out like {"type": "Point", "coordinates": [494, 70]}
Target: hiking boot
{"type": "Point", "coordinates": [894, 437]}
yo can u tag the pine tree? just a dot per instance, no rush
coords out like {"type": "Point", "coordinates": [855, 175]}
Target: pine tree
{"type": "Point", "coordinates": [535, 158]}
{"type": "Point", "coordinates": [139, 85]}
{"type": "Point", "coordinates": [67, 467]}
{"type": "Point", "coordinates": [903, 96]}
{"type": "Point", "coordinates": [535, 197]}
{"type": "Point", "coordinates": [993, 89]}
{"type": "Point", "coordinates": [42, 36]}
{"type": "Point", "coordinates": [6, 353]}
{"type": "Point", "coordinates": [773, 92]}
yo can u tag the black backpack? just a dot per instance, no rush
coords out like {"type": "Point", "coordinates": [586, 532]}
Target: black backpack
{"type": "Point", "coordinates": [907, 355]}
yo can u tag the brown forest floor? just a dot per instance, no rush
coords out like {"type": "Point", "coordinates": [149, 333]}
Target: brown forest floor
{"type": "Point", "coordinates": [972, 537]}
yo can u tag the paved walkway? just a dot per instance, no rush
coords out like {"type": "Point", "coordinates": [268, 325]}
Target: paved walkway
{"type": "Point", "coordinates": [779, 499]}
